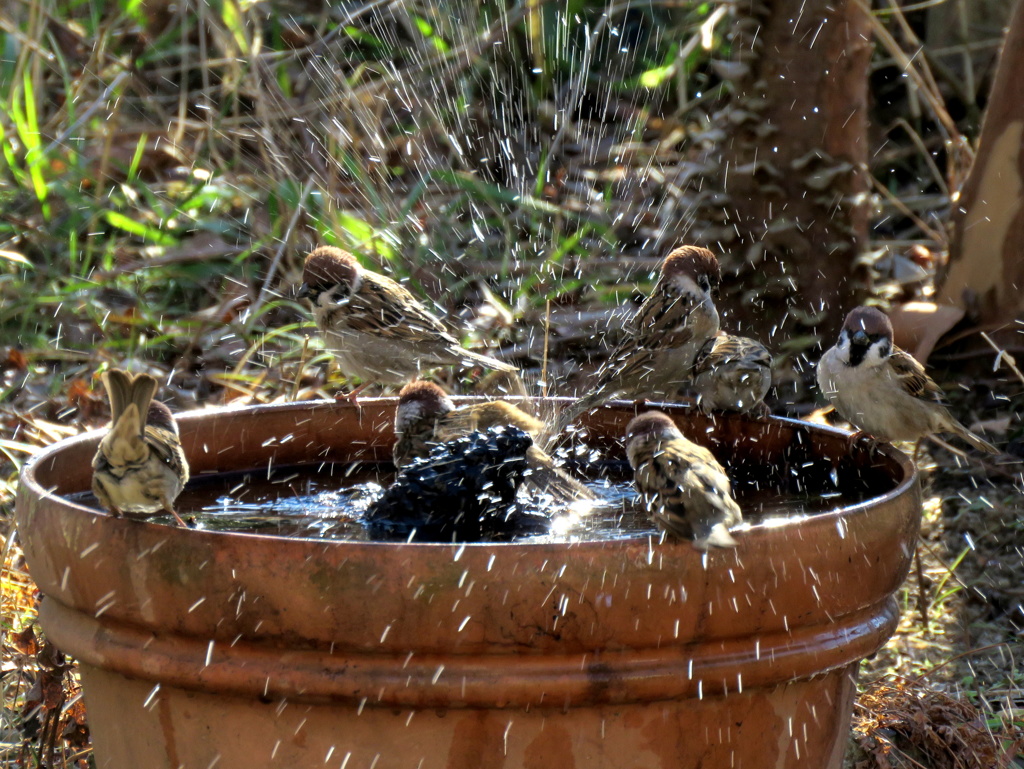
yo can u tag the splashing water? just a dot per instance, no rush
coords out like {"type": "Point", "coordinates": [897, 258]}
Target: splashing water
{"type": "Point", "coordinates": [331, 501]}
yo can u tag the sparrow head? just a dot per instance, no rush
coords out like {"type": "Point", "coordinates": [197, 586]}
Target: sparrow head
{"type": "Point", "coordinates": [694, 264]}
{"type": "Point", "coordinates": [866, 337]}
{"type": "Point", "coordinates": [160, 416]}
{"type": "Point", "coordinates": [421, 400]}
{"type": "Point", "coordinates": [328, 268]}
{"type": "Point", "coordinates": [653, 424]}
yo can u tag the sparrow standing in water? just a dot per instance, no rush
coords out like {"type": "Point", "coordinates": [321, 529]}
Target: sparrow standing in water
{"type": "Point", "coordinates": [663, 337]}
{"type": "Point", "coordinates": [139, 466]}
{"type": "Point", "coordinates": [882, 390]}
{"type": "Point", "coordinates": [685, 489]}
{"type": "Point", "coordinates": [426, 417]}
{"type": "Point", "coordinates": [376, 329]}
{"type": "Point", "coordinates": [732, 373]}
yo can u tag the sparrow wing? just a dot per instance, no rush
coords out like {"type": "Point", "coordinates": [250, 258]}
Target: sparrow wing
{"type": "Point", "coordinates": [386, 308]}
{"type": "Point", "coordinates": [752, 353]}
{"type": "Point", "coordinates": [659, 324]}
{"type": "Point", "coordinates": [708, 356]}
{"type": "Point", "coordinates": [726, 348]}
{"type": "Point", "coordinates": [167, 447]}
{"type": "Point", "coordinates": [700, 492]}
{"type": "Point", "coordinates": [661, 320]}
{"type": "Point", "coordinates": [911, 376]}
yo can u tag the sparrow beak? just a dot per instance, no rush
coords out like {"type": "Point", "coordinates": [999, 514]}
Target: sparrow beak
{"type": "Point", "coordinates": [860, 339]}
{"type": "Point", "coordinates": [303, 292]}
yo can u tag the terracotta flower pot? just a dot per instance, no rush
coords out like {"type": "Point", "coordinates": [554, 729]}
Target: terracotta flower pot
{"type": "Point", "coordinates": [201, 649]}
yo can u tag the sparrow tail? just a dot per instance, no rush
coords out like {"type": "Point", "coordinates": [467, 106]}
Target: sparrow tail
{"type": "Point", "coordinates": [570, 413]}
{"type": "Point", "coordinates": [971, 438]}
{"type": "Point", "coordinates": [476, 359]}
{"type": "Point", "coordinates": [124, 389]}
{"type": "Point", "coordinates": [718, 536]}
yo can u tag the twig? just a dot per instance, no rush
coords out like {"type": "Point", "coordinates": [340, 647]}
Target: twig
{"type": "Point", "coordinates": [925, 674]}
{"type": "Point", "coordinates": [922, 590]}
{"type": "Point", "coordinates": [285, 237]}
{"type": "Point", "coordinates": [918, 74]}
{"type": "Point", "coordinates": [1003, 355]}
{"type": "Point", "coordinates": [547, 339]}
{"type": "Point", "coordinates": [899, 205]}
{"type": "Point", "coordinates": [298, 371]}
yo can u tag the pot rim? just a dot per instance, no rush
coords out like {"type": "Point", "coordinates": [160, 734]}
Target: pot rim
{"type": "Point", "coordinates": [29, 483]}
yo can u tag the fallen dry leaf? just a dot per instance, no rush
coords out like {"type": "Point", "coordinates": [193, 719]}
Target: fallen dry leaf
{"type": "Point", "coordinates": [918, 326]}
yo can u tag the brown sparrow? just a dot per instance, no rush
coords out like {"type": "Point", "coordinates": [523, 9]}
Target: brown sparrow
{"type": "Point", "coordinates": [685, 489]}
{"type": "Point", "coordinates": [732, 373]}
{"type": "Point", "coordinates": [139, 466]}
{"type": "Point", "coordinates": [376, 329]}
{"type": "Point", "coordinates": [426, 417]}
{"type": "Point", "coordinates": [882, 390]}
{"type": "Point", "coordinates": [663, 337]}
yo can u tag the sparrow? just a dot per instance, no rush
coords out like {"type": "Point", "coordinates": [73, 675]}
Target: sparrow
{"type": "Point", "coordinates": [662, 338]}
{"type": "Point", "coordinates": [684, 488]}
{"type": "Point", "coordinates": [462, 490]}
{"type": "Point", "coordinates": [732, 373]}
{"type": "Point", "coordinates": [426, 417]}
{"type": "Point", "coordinates": [139, 466]}
{"type": "Point", "coordinates": [377, 330]}
{"type": "Point", "coordinates": [881, 389]}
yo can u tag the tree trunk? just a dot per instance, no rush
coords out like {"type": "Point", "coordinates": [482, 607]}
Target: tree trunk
{"type": "Point", "coordinates": [985, 273]}
{"type": "Point", "coordinates": [794, 161]}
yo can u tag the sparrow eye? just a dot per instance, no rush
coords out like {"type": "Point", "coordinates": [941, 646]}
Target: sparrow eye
{"type": "Point", "coordinates": [704, 283]}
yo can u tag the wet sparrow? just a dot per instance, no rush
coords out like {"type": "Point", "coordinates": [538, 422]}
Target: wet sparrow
{"type": "Point", "coordinates": [685, 489]}
{"type": "Point", "coordinates": [663, 337]}
{"type": "Point", "coordinates": [139, 466]}
{"type": "Point", "coordinates": [732, 373]}
{"type": "Point", "coordinates": [376, 329]}
{"type": "Point", "coordinates": [426, 417]}
{"type": "Point", "coordinates": [882, 390]}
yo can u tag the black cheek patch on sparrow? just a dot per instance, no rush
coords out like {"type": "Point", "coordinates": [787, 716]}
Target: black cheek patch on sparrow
{"type": "Point", "coordinates": [857, 353]}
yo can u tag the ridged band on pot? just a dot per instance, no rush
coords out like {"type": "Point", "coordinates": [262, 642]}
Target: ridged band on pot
{"type": "Point", "coordinates": [465, 680]}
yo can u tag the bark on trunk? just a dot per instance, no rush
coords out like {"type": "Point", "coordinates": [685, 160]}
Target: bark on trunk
{"type": "Point", "coordinates": [794, 160]}
{"type": "Point", "coordinates": [985, 273]}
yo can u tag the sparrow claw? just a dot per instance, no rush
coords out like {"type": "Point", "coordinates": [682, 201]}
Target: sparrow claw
{"type": "Point", "coordinates": [863, 441]}
{"type": "Point", "coordinates": [352, 397]}
{"type": "Point", "coordinates": [170, 509]}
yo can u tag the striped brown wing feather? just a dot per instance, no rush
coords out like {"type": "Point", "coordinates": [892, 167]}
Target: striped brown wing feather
{"type": "Point", "coordinates": [374, 309]}
{"type": "Point", "coordinates": [165, 445]}
{"type": "Point", "coordinates": [912, 377]}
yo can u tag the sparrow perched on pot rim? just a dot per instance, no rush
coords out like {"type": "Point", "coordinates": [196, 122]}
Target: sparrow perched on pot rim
{"type": "Point", "coordinates": [732, 373]}
{"type": "Point", "coordinates": [426, 417]}
{"type": "Point", "coordinates": [663, 337]}
{"type": "Point", "coordinates": [882, 390]}
{"type": "Point", "coordinates": [139, 466]}
{"type": "Point", "coordinates": [684, 488]}
{"type": "Point", "coordinates": [375, 328]}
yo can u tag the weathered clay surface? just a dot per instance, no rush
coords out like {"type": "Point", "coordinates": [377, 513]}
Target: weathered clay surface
{"type": "Point", "coordinates": [266, 651]}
